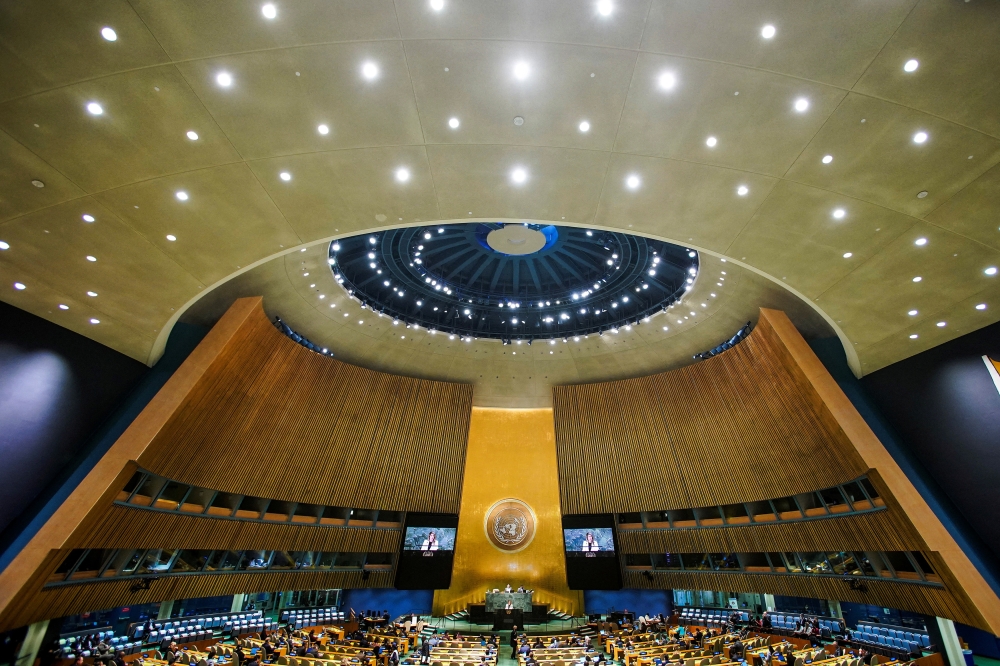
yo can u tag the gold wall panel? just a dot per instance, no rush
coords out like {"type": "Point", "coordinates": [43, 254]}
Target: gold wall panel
{"type": "Point", "coordinates": [511, 454]}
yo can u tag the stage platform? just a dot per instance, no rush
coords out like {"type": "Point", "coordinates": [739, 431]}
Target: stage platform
{"type": "Point", "coordinates": [463, 624]}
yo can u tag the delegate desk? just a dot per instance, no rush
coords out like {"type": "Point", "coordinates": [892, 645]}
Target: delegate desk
{"type": "Point", "coordinates": [498, 601]}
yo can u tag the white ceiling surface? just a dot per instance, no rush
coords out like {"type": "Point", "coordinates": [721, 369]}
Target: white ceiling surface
{"type": "Point", "coordinates": [304, 67]}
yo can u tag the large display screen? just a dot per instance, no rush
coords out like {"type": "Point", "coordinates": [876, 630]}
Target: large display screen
{"type": "Point", "coordinates": [427, 551]}
{"type": "Point", "coordinates": [589, 542]}
{"type": "Point", "coordinates": [591, 555]}
{"type": "Point", "coordinates": [429, 539]}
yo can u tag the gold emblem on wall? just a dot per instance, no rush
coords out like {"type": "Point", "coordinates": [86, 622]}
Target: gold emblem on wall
{"type": "Point", "coordinates": [510, 525]}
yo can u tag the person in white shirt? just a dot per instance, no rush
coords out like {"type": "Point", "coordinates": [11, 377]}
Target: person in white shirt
{"type": "Point", "coordinates": [431, 542]}
{"type": "Point", "coordinates": [589, 544]}
{"type": "Point", "coordinates": [508, 588]}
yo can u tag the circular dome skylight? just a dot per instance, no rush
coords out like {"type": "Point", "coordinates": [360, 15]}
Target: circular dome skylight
{"type": "Point", "coordinates": [512, 281]}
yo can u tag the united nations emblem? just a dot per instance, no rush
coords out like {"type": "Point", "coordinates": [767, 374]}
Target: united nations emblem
{"type": "Point", "coordinates": [510, 525]}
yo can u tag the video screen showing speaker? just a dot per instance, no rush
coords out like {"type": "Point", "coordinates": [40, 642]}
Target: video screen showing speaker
{"type": "Point", "coordinates": [591, 552]}
{"type": "Point", "coordinates": [427, 552]}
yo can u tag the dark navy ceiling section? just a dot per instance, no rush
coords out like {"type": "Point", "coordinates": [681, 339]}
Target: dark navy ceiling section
{"type": "Point", "coordinates": [449, 279]}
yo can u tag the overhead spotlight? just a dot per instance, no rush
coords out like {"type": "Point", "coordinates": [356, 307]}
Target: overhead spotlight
{"type": "Point", "coordinates": [920, 241]}
{"type": "Point", "coordinates": [920, 137]}
{"type": "Point", "coordinates": [453, 123]}
{"type": "Point", "coordinates": [192, 135]}
{"type": "Point", "coordinates": [667, 80]}
{"type": "Point", "coordinates": [182, 195]}
{"type": "Point", "coordinates": [742, 190]}
{"type": "Point", "coordinates": [604, 7]}
{"type": "Point", "coordinates": [992, 270]}
{"type": "Point", "coordinates": [402, 174]}
{"type": "Point", "coordinates": [801, 104]}
{"type": "Point", "coordinates": [584, 126]}
{"type": "Point", "coordinates": [839, 213]}
{"type": "Point", "coordinates": [224, 79]}
{"type": "Point", "coordinates": [519, 175]}
{"type": "Point", "coordinates": [88, 217]}
{"type": "Point", "coordinates": [437, 5]}
{"type": "Point", "coordinates": [19, 286]}
{"type": "Point", "coordinates": [711, 141]}
{"type": "Point", "coordinates": [4, 245]}
{"type": "Point", "coordinates": [369, 70]}
{"type": "Point", "coordinates": [827, 159]}
{"type": "Point", "coordinates": [911, 65]}
{"type": "Point", "coordinates": [521, 70]}
{"type": "Point", "coordinates": [269, 11]}
{"type": "Point", "coordinates": [285, 176]}
{"type": "Point", "coordinates": [767, 32]}
{"type": "Point", "coordinates": [323, 129]}
{"type": "Point", "coordinates": [109, 34]}
{"type": "Point", "coordinates": [95, 109]}
{"type": "Point", "coordinates": [632, 182]}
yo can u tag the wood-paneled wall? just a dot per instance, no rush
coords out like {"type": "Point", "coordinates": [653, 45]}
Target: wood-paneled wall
{"type": "Point", "coordinates": [738, 427]}
{"type": "Point", "coordinates": [275, 420]}
{"type": "Point", "coordinates": [254, 413]}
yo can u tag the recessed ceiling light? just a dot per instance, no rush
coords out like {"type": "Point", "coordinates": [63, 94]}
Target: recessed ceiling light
{"type": "Point", "coordinates": [912, 313]}
{"type": "Point", "coordinates": [981, 306]}
{"type": "Point", "coordinates": [285, 176]}
{"type": "Point", "coordinates": [437, 5]}
{"type": "Point", "coordinates": [453, 123]}
{"type": "Point", "coordinates": [182, 195]}
{"type": "Point", "coordinates": [402, 174]}
{"type": "Point", "coordinates": [742, 190]}
{"type": "Point", "coordinates": [63, 306]}
{"type": "Point", "coordinates": [711, 141]}
{"type": "Point", "coordinates": [87, 217]}
{"type": "Point", "coordinates": [584, 126]}
{"type": "Point", "coordinates": [519, 175]}
{"type": "Point", "coordinates": [369, 70]}
{"type": "Point", "coordinates": [604, 7]}
{"type": "Point", "coordinates": [92, 294]}
{"type": "Point", "coordinates": [911, 65]}
{"type": "Point", "coordinates": [920, 241]}
{"type": "Point", "coordinates": [914, 336]}
{"type": "Point", "coordinates": [323, 129]}
{"type": "Point", "coordinates": [37, 183]}
{"type": "Point", "coordinates": [19, 286]}
{"type": "Point", "coordinates": [827, 159]}
{"type": "Point", "coordinates": [919, 137]}
{"type": "Point", "coordinates": [91, 257]}
{"type": "Point", "coordinates": [95, 109]}
{"type": "Point", "coordinates": [839, 213]}
{"type": "Point", "coordinates": [109, 34]}
{"type": "Point", "coordinates": [848, 255]}
{"type": "Point", "coordinates": [917, 279]}
{"type": "Point", "coordinates": [632, 182]}
{"type": "Point", "coordinates": [667, 80]}
{"type": "Point", "coordinates": [521, 70]}
{"type": "Point", "coordinates": [224, 79]}
{"type": "Point", "coordinates": [95, 321]}
{"type": "Point", "coordinates": [801, 104]}
{"type": "Point", "coordinates": [942, 324]}
{"type": "Point", "coordinates": [767, 32]}
{"type": "Point", "coordinates": [171, 237]}
{"type": "Point", "coordinates": [921, 194]}
{"type": "Point", "coordinates": [192, 135]}
{"type": "Point", "coordinates": [269, 11]}
{"type": "Point", "coordinates": [4, 245]}
{"type": "Point", "coordinates": [992, 270]}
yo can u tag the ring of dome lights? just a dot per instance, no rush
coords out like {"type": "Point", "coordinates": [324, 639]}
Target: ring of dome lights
{"type": "Point", "coordinates": [448, 279]}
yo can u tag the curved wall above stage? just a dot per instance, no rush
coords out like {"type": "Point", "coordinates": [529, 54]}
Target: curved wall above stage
{"type": "Point", "coordinates": [251, 413]}
{"type": "Point", "coordinates": [761, 421]}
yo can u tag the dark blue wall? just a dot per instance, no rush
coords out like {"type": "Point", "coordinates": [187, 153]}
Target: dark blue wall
{"type": "Point", "coordinates": [980, 642]}
{"type": "Point", "coordinates": [597, 602]}
{"type": "Point", "coordinates": [397, 602]}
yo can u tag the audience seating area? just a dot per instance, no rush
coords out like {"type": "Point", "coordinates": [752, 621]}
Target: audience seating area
{"type": "Point", "coordinates": [312, 617]}
{"type": "Point", "coordinates": [710, 617]}
{"type": "Point", "coordinates": [788, 620]}
{"type": "Point", "coordinates": [899, 638]}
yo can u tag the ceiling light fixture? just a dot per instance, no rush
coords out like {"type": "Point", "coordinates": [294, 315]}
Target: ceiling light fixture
{"type": "Point", "coordinates": [92, 294]}
{"type": "Point", "coordinates": [742, 190]}
{"type": "Point", "coordinates": [768, 31]}
{"type": "Point", "coordinates": [667, 80]}
{"type": "Point", "coordinates": [453, 123]}
{"type": "Point", "coordinates": [63, 306]}
{"type": "Point", "coordinates": [839, 213]}
{"type": "Point", "coordinates": [192, 135]}
{"type": "Point", "coordinates": [369, 70]}
{"type": "Point", "coordinates": [437, 5]}
{"type": "Point", "coordinates": [4, 245]}
{"type": "Point", "coordinates": [109, 34]}
{"type": "Point", "coordinates": [584, 126]}
{"type": "Point", "coordinates": [914, 336]}
{"type": "Point", "coordinates": [920, 137]}
{"type": "Point", "coordinates": [519, 175]}
{"type": "Point", "coordinates": [323, 129]}
{"type": "Point", "coordinates": [913, 313]}
{"type": "Point", "coordinates": [95, 321]}
{"type": "Point", "coordinates": [848, 255]}
{"type": "Point", "coordinates": [91, 257]}
{"type": "Point", "coordinates": [992, 270]}
{"type": "Point", "coordinates": [604, 7]}
{"type": "Point", "coordinates": [88, 217]}
{"type": "Point", "coordinates": [711, 141]}
{"type": "Point", "coordinates": [911, 65]}
{"type": "Point", "coordinates": [224, 79]}
{"type": "Point", "coordinates": [182, 195]}
{"type": "Point", "coordinates": [285, 176]}
{"type": "Point", "coordinates": [171, 238]}
{"type": "Point", "coordinates": [402, 174]}
{"type": "Point", "coordinates": [801, 104]}
{"type": "Point", "coordinates": [918, 279]}
{"type": "Point", "coordinates": [521, 71]}
{"type": "Point", "coordinates": [632, 182]}
{"type": "Point", "coordinates": [981, 306]}
{"type": "Point", "coordinates": [19, 286]}
{"type": "Point", "coordinates": [94, 109]}
{"type": "Point", "coordinates": [827, 159]}
{"type": "Point", "coordinates": [942, 324]}
{"type": "Point", "coordinates": [920, 241]}
{"type": "Point", "coordinates": [269, 11]}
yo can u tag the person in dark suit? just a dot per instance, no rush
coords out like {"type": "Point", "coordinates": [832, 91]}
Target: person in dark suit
{"type": "Point", "coordinates": [513, 642]}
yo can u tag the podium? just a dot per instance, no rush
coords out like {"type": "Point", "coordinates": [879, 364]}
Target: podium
{"type": "Point", "coordinates": [498, 601]}
{"type": "Point", "coordinates": [508, 618]}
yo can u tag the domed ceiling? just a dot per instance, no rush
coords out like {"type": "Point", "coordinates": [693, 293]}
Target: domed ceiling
{"type": "Point", "coordinates": [842, 157]}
